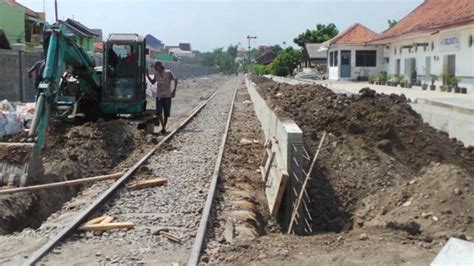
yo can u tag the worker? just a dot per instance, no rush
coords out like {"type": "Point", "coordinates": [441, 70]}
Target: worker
{"type": "Point", "coordinates": [164, 93]}
{"type": "Point", "coordinates": [38, 68]}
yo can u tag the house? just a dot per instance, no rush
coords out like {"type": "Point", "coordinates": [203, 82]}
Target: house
{"type": "Point", "coordinates": [436, 37]}
{"type": "Point", "coordinates": [185, 46]}
{"type": "Point", "coordinates": [350, 57]}
{"type": "Point", "coordinates": [84, 36]}
{"type": "Point", "coordinates": [21, 24]}
{"type": "Point", "coordinates": [153, 46]}
{"type": "Point", "coordinates": [314, 55]}
{"type": "Point", "coordinates": [266, 57]}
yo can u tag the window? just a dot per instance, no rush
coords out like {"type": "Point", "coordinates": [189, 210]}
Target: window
{"type": "Point", "coordinates": [366, 58]}
{"type": "Point", "coordinates": [331, 62]}
{"type": "Point", "coordinates": [335, 58]}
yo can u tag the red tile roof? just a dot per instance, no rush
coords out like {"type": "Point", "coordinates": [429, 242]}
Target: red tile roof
{"type": "Point", "coordinates": [430, 16]}
{"type": "Point", "coordinates": [356, 34]}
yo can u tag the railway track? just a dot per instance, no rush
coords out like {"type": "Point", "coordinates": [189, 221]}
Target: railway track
{"type": "Point", "coordinates": [191, 163]}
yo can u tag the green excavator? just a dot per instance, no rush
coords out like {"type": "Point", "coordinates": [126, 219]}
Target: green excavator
{"type": "Point", "coordinates": [71, 86]}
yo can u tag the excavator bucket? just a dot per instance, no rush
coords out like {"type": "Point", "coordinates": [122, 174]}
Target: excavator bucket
{"type": "Point", "coordinates": [21, 164]}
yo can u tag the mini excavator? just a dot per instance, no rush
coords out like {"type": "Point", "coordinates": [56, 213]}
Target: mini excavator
{"type": "Point", "coordinates": [118, 87]}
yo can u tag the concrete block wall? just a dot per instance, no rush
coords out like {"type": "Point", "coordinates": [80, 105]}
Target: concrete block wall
{"type": "Point", "coordinates": [285, 130]}
{"type": "Point", "coordinates": [14, 82]}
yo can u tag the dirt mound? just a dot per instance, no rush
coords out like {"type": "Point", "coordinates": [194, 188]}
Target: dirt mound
{"type": "Point", "coordinates": [94, 148]}
{"type": "Point", "coordinates": [375, 142]}
{"type": "Point", "coordinates": [71, 152]}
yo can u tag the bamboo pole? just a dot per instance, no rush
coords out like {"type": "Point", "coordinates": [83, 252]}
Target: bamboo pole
{"type": "Point", "coordinates": [61, 184]}
{"type": "Point", "coordinates": [303, 187]}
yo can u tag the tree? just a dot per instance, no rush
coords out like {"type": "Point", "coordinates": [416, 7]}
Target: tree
{"type": "Point", "coordinates": [219, 59]}
{"type": "Point", "coordinates": [285, 62]}
{"type": "Point", "coordinates": [321, 34]}
{"type": "Point", "coordinates": [276, 49]}
{"type": "Point", "coordinates": [232, 50]}
{"type": "Point", "coordinates": [391, 22]}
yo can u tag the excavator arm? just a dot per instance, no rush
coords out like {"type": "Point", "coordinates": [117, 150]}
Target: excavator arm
{"type": "Point", "coordinates": [21, 163]}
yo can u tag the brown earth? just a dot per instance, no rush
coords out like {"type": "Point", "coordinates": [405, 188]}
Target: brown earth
{"type": "Point", "coordinates": [380, 164]}
{"type": "Point", "coordinates": [71, 152]}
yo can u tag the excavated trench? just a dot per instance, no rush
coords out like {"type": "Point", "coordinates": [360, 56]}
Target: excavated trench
{"type": "Point", "coordinates": [72, 152]}
{"type": "Point", "coordinates": [380, 164]}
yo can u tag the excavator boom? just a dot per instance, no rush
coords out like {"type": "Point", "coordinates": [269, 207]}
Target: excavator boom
{"type": "Point", "coordinates": [21, 163]}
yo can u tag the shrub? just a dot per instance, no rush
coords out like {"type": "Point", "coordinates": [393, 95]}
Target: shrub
{"type": "Point", "coordinates": [285, 62]}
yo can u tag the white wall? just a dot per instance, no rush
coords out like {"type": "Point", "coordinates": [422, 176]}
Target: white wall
{"type": "Point", "coordinates": [334, 72]}
{"type": "Point", "coordinates": [464, 56]}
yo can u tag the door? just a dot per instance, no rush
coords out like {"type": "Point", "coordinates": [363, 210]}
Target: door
{"type": "Point", "coordinates": [428, 68]}
{"type": "Point", "coordinates": [397, 67]}
{"type": "Point", "coordinates": [345, 64]}
{"type": "Point", "coordinates": [410, 70]}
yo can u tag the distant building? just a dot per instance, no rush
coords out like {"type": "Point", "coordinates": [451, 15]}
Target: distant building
{"type": "Point", "coordinates": [349, 56]}
{"type": "Point", "coordinates": [84, 36]}
{"type": "Point", "coordinates": [98, 34]}
{"type": "Point", "coordinates": [154, 46]}
{"type": "Point", "coordinates": [185, 46]}
{"type": "Point", "coordinates": [314, 54]}
{"type": "Point", "coordinates": [436, 37]}
{"type": "Point", "coordinates": [266, 57]}
{"type": "Point", "coordinates": [21, 24]}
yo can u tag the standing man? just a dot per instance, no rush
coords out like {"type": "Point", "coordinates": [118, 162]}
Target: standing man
{"type": "Point", "coordinates": [38, 68]}
{"type": "Point", "coordinates": [164, 93]}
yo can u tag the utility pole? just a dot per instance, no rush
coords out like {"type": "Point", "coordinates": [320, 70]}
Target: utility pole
{"type": "Point", "coordinates": [251, 38]}
{"type": "Point", "coordinates": [56, 9]}
{"type": "Point", "coordinates": [248, 53]}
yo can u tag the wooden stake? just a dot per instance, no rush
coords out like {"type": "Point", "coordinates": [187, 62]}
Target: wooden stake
{"type": "Point", "coordinates": [303, 187]}
{"type": "Point", "coordinates": [61, 184]}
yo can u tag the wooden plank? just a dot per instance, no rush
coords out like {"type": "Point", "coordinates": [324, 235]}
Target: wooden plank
{"type": "Point", "coordinates": [61, 184]}
{"type": "Point", "coordinates": [303, 187]}
{"type": "Point", "coordinates": [107, 226]}
{"type": "Point", "coordinates": [275, 188]}
{"type": "Point", "coordinates": [267, 168]}
{"type": "Point", "coordinates": [96, 220]}
{"type": "Point", "coordinates": [148, 183]}
{"type": "Point", "coordinates": [107, 220]}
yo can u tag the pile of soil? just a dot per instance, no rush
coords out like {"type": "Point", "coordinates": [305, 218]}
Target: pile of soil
{"type": "Point", "coordinates": [376, 145]}
{"type": "Point", "coordinates": [71, 152]}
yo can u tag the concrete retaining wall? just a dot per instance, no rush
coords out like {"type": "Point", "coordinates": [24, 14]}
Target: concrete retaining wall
{"type": "Point", "coordinates": [14, 82]}
{"type": "Point", "coordinates": [458, 122]}
{"type": "Point", "coordinates": [285, 131]}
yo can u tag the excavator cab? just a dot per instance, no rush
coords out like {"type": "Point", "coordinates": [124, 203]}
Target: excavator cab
{"type": "Point", "coordinates": [123, 75]}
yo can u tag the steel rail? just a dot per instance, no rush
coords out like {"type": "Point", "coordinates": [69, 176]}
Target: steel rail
{"type": "Point", "coordinates": [202, 229]}
{"type": "Point", "coordinates": [40, 253]}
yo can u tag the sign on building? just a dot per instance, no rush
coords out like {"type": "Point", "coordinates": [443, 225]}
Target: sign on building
{"type": "Point", "coordinates": [450, 43]}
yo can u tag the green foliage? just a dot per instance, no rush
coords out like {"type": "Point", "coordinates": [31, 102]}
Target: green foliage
{"type": "Point", "coordinates": [259, 70]}
{"type": "Point", "coordinates": [400, 79]}
{"type": "Point", "coordinates": [276, 49]}
{"type": "Point", "coordinates": [232, 51]}
{"type": "Point", "coordinates": [453, 81]}
{"type": "Point", "coordinates": [285, 62]}
{"type": "Point", "coordinates": [383, 76]}
{"type": "Point", "coordinates": [222, 61]}
{"type": "Point", "coordinates": [445, 76]}
{"type": "Point", "coordinates": [321, 34]}
{"type": "Point", "coordinates": [433, 78]}
{"type": "Point", "coordinates": [391, 22]}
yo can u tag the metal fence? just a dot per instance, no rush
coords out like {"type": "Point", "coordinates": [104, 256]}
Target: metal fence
{"type": "Point", "coordinates": [14, 82]}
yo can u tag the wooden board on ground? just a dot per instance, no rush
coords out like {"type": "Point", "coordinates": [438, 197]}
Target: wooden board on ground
{"type": "Point", "coordinates": [107, 226]}
{"type": "Point", "coordinates": [275, 188]}
{"type": "Point", "coordinates": [148, 183]}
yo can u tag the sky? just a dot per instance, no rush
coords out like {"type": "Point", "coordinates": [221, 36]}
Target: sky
{"type": "Point", "coordinates": [218, 23]}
